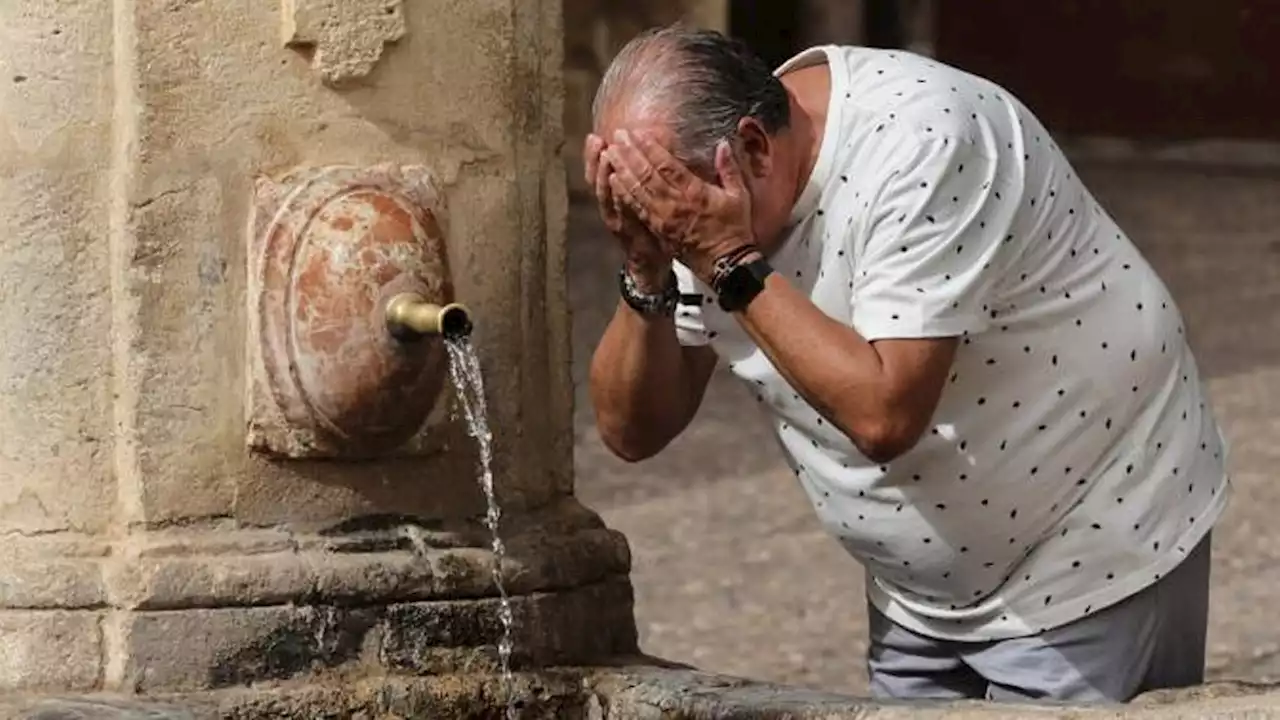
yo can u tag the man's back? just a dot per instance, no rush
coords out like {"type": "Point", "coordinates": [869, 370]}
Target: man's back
{"type": "Point", "coordinates": [1072, 458]}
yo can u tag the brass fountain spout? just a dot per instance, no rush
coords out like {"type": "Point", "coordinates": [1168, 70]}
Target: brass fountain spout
{"type": "Point", "coordinates": [410, 316]}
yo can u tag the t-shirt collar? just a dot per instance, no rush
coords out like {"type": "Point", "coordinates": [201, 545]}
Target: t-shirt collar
{"type": "Point", "coordinates": [807, 203]}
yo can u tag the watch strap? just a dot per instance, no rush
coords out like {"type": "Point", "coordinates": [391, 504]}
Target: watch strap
{"type": "Point", "coordinates": [726, 263]}
{"type": "Point", "coordinates": [738, 287]}
{"type": "Point", "coordinates": [662, 304]}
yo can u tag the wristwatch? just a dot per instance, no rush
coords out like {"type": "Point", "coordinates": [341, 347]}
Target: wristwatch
{"type": "Point", "coordinates": [661, 304]}
{"type": "Point", "coordinates": [741, 284]}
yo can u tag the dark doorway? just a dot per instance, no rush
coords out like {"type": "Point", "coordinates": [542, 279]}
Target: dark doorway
{"type": "Point", "coordinates": [1132, 68]}
{"type": "Point", "coordinates": [772, 29]}
{"type": "Point", "coordinates": [777, 30]}
{"type": "Point", "coordinates": [884, 24]}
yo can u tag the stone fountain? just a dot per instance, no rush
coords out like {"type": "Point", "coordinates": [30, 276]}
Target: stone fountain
{"type": "Point", "coordinates": [230, 481]}
{"type": "Point", "coordinates": [222, 466]}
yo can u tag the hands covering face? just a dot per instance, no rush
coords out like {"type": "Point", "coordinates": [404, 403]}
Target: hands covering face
{"type": "Point", "coordinates": [639, 182]}
{"type": "Point", "coordinates": [648, 260]}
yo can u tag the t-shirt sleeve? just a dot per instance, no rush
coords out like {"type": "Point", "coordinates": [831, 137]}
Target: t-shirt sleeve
{"type": "Point", "coordinates": [690, 330]}
{"type": "Point", "coordinates": [924, 259]}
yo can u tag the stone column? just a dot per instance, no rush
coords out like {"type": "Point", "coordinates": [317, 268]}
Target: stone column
{"type": "Point", "coordinates": [173, 521]}
{"type": "Point", "coordinates": [822, 22]}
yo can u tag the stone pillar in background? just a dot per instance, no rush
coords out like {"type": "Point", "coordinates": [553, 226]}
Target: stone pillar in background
{"type": "Point", "coordinates": [836, 22]}
{"type": "Point", "coordinates": [146, 146]}
{"type": "Point", "coordinates": [595, 31]}
{"type": "Point", "coordinates": [920, 25]}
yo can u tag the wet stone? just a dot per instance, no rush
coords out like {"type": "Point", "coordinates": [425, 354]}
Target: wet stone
{"type": "Point", "coordinates": [56, 709]}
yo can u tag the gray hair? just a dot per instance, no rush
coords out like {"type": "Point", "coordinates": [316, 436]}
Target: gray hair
{"type": "Point", "coordinates": [704, 82]}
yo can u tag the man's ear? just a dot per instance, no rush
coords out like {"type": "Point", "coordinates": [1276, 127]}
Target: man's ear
{"type": "Point", "coordinates": [755, 148]}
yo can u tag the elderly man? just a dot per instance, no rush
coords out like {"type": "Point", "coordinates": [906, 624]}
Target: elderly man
{"type": "Point", "coordinates": [982, 386]}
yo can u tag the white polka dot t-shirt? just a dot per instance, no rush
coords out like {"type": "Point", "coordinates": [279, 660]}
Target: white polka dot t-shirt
{"type": "Point", "coordinates": [1072, 459]}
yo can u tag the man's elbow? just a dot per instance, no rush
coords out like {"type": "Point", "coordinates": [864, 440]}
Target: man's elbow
{"type": "Point", "coordinates": [631, 447]}
{"type": "Point", "coordinates": [630, 452]}
{"type": "Point", "coordinates": [884, 440]}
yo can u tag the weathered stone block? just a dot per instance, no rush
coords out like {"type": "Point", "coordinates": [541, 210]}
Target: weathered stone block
{"type": "Point", "coordinates": [52, 572]}
{"type": "Point", "coordinates": [187, 650]}
{"type": "Point", "coordinates": [107, 709]}
{"type": "Point", "coordinates": [55, 314]}
{"type": "Point", "coordinates": [392, 559]}
{"type": "Point", "coordinates": [548, 630]}
{"type": "Point", "coordinates": [346, 36]}
{"type": "Point", "coordinates": [50, 650]}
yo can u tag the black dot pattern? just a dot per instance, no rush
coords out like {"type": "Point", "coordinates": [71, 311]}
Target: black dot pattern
{"type": "Point", "coordinates": [1072, 456]}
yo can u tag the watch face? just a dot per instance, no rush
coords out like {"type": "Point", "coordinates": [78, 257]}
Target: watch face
{"type": "Point", "coordinates": [739, 287]}
{"type": "Point", "coordinates": [743, 284]}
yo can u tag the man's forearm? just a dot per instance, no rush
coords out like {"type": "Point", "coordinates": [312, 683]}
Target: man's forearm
{"type": "Point", "coordinates": [838, 372]}
{"type": "Point", "coordinates": [643, 389]}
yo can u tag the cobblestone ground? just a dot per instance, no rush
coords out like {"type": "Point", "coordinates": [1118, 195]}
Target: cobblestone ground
{"type": "Point", "coordinates": [733, 574]}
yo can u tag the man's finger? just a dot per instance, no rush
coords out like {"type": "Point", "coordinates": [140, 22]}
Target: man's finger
{"type": "Point", "coordinates": [616, 202]}
{"type": "Point", "coordinates": [632, 163]}
{"type": "Point", "coordinates": [667, 165]}
{"type": "Point", "coordinates": [729, 170]}
{"type": "Point", "coordinates": [621, 194]}
{"type": "Point", "coordinates": [626, 199]}
{"type": "Point", "coordinates": [625, 173]}
{"type": "Point", "coordinates": [600, 179]}
{"type": "Point", "coordinates": [591, 149]}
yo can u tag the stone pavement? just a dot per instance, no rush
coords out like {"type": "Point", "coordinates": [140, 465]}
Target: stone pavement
{"type": "Point", "coordinates": [733, 574]}
{"type": "Point", "coordinates": [633, 689]}
{"type": "Point", "coordinates": [645, 693]}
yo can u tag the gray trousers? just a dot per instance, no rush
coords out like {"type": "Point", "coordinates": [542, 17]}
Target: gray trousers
{"type": "Point", "coordinates": [1149, 641]}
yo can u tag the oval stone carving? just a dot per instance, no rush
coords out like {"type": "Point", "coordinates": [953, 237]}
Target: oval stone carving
{"type": "Point", "coordinates": [340, 242]}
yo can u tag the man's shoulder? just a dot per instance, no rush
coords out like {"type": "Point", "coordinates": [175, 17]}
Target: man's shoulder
{"type": "Point", "coordinates": [901, 90]}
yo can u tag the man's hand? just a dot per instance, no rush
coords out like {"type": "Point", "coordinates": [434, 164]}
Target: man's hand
{"type": "Point", "coordinates": [698, 220]}
{"type": "Point", "coordinates": [648, 262]}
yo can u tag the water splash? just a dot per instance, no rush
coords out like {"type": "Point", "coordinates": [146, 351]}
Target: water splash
{"type": "Point", "coordinates": [464, 367]}
{"type": "Point", "coordinates": [323, 620]}
{"type": "Point", "coordinates": [417, 539]}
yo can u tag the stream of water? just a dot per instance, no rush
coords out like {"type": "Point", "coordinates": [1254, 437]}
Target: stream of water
{"type": "Point", "coordinates": [464, 368]}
